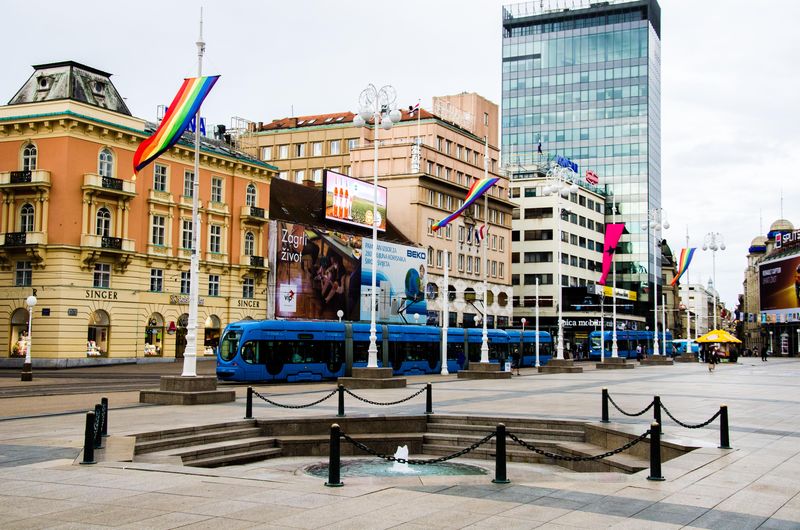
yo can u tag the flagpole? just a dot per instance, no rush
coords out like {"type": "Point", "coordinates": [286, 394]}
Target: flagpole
{"type": "Point", "coordinates": [190, 353]}
{"type": "Point", "coordinates": [484, 337]}
{"type": "Point", "coordinates": [614, 350]}
{"type": "Point", "coordinates": [688, 323]}
{"type": "Point", "coordinates": [445, 311]}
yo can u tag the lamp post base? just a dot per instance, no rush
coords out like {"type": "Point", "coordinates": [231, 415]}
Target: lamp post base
{"type": "Point", "coordinates": [560, 366]}
{"type": "Point", "coordinates": [26, 374]}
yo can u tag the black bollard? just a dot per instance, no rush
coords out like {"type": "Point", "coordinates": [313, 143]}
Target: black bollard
{"type": "Point", "coordinates": [605, 405]}
{"type": "Point", "coordinates": [428, 400]}
{"type": "Point", "coordinates": [248, 411]}
{"type": "Point", "coordinates": [98, 431]}
{"type": "Point", "coordinates": [340, 414]}
{"type": "Point", "coordinates": [500, 455]}
{"type": "Point", "coordinates": [657, 409]}
{"type": "Point", "coordinates": [104, 403]}
{"type": "Point", "coordinates": [334, 480]}
{"type": "Point", "coordinates": [655, 452]}
{"type": "Point", "coordinates": [724, 434]}
{"type": "Point", "coordinates": [88, 440]}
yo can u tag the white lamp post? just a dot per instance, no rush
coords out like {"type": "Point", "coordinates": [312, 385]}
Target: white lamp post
{"type": "Point", "coordinates": [522, 321]}
{"type": "Point", "coordinates": [537, 322]}
{"type": "Point", "coordinates": [560, 184]}
{"type": "Point", "coordinates": [657, 220]}
{"type": "Point", "coordinates": [602, 325]}
{"type": "Point", "coordinates": [340, 314]}
{"type": "Point", "coordinates": [27, 374]}
{"type": "Point", "coordinates": [376, 104]}
{"type": "Point", "coordinates": [714, 241]}
{"type": "Point", "coordinates": [771, 350]}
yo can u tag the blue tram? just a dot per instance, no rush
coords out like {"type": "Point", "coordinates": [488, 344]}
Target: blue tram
{"type": "Point", "coordinates": [526, 342]}
{"type": "Point", "coordinates": [627, 340]}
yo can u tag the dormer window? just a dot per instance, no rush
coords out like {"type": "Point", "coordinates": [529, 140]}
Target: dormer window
{"type": "Point", "coordinates": [98, 87]}
{"type": "Point", "coordinates": [43, 83]}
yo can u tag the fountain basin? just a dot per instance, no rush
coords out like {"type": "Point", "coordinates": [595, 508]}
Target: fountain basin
{"type": "Point", "coordinates": [375, 467]}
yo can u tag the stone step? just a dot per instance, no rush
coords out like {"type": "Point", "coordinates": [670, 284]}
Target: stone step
{"type": "Point", "coordinates": [533, 432]}
{"type": "Point", "coordinates": [201, 452]}
{"type": "Point", "coordinates": [194, 439]}
{"type": "Point", "coordinates": [485, 452]}
{"type": "Point", "coordinates": [185, 431]}
{"type": "Point", "coordinates": [243, 457]}
{"type": "Point", "coordinates": [464, 440]}
{"type": "Point", "coordinates": [510, 423]}
{"type": "Point", "coordinates": [479, 374]}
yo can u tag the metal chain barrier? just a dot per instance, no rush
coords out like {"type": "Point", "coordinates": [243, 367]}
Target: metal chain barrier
{"type": "Point", "coordinates": [412, 461]}
{"type": "Point", "coordinates": [555, 456]}
{"type": "Point", "coordinates": [648, 407]}
{"type": "Point", "coordinates": [686, 425]}
{"type": "Point", "coordinates": [317, 402]}
{"type": "Point", "coordinates": [387, 403]}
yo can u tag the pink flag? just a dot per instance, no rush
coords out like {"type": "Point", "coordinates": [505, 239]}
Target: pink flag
{"type": "Point", "coordinates": [613, 233]}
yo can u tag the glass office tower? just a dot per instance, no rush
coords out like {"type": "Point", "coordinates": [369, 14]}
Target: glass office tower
{"type": "Point", "coordinates": [584, 80]}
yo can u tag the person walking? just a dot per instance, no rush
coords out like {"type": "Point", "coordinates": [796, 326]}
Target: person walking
{"type": "Point", "coordinates": [710, 361]}
{"type": "Point", "coordinates": [516, 359]}
{"type": "Point", "coordinates": [764, 352]}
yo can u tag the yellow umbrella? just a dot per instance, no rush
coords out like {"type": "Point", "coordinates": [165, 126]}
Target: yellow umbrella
{"type": "Point", "coordinates": [718, 335]}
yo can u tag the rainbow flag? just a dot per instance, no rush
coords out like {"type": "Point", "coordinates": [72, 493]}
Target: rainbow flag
{"type": "Point", "coordinates": [479, 187]}
{"type": "Point", "coordinates": [183, 108]}
{"type": "Point", "coordinates": [683, 263]}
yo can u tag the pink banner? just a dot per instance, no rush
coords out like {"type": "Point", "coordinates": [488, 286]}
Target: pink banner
{"type": "Point", "coordinates": [613, 233]}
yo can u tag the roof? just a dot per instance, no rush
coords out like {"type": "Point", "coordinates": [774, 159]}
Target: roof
{"type": "Point", "coordinates": [71, 80]}
{"type": "Point", "coordinates": [337, 118]}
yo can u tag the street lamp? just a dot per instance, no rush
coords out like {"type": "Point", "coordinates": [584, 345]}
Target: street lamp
{"type": "Point", "coordinates": [561, 181]}
{"type": "Point", "coordinates": [537, 322]}
{"type": "Point", "coordinates": [340, 314]}
{"type": "Point", "coordinates": [523, 320]}
{"type": "Point", "coordinates": [714, 241]}
{"type": "Point", "coordinates": [657, 220]}
{"type": "Point", "coordinates": [27, 374]}
{"type": "Point", "coordinates": [771, 350]}
{"type": "Point", "coordinates": [376, 104]}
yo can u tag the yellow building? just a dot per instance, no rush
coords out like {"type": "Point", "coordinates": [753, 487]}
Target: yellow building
{"type": "Point", "coordinates": [106, 255]}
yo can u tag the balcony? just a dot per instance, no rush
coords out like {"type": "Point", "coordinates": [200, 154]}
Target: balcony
{"type": "Point", "coordinates": [255, 262]}
{"type": "Point", "coordinates": [111, 244]}
{"type": "Point", "coordinates": [217, 207]}
{"type": "Point", "coordinates": [109, 185]}
{"type": "Point", "coordinates": [31, 244]}
{"type": "Point", "coordinates": [163, 197]}
{"type": "Point", "coordinates": [25, 179]}
{"type": "Point", "coordinates": [22, 239]}
{"type": "Point", "coordinates": [93, 247]}
{"type": "Point", "coordinates": [253, 214]}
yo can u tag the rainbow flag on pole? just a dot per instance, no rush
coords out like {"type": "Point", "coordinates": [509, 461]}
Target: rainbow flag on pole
{"type": "Point", "coordinates": [183, 108]}
{"type": "Point", "coordinates": [479, 187]}
{"type": "Point", "coordinates": [683, 263]}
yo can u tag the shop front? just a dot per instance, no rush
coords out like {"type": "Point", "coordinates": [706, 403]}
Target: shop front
{"type": "Point", "coordinates": [154, 336]}
{"type": "Point", "coordinates": [98, 334]}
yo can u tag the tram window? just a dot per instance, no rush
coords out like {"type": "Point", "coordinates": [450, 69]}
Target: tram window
{"type": "Point", "coordinates": [229, 346]}
{"type": "Point", "coordinates": [360, 353]}
{"type": "Point", "coordinates": [250, 352]}
{"type": "Point", "coordinates": [455, 351]}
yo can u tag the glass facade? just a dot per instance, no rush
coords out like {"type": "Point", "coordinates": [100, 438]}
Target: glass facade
{"type": "Point", "coordinates": [585, 84]}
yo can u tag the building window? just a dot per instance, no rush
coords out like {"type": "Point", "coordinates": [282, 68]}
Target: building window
{"type": "Point", "coordinates": [477, 265]}
{"type": "Point", "coordinates": [299, 176]}
{"type": "Point", "coordinates": [502, 244]}
{"type": "Point", "coordinates": [156, 280]}
{"type": "Point", "coordinates": [188, 184]}
{"type": "Point", "coordinates": [103, 225]}
{"type": "Point", "coordinates": [283, 175]}
{"type": "Point", "coordinates": [248, 288]}
{"type": "Point", "coordinates": [102, 275]}
{"type": "Point", "coordinates": [266, 153]}
{"type": "Point", "coordinates": [318, 176]}
{"type": "Point", "coordinates": [24, 276]}
{"type": "Point", "coordinates": [159, 229]}
{"type": "Point", "coordinates": [26, 218]}
{"type": "Point", "coordinates": [299, 150]}
{"type": "Point", "coordinates": [461, 262]}
{"type": "Point", "coordinates": [283, 152]}
{"type": "Point", "coordinates": [186, 234]}
{"type": "Point", "coordinates": [29, 156]}
{"type": "Point", "coordinates": [336, 147]}
{"type": "Point", "coordinates": [213, 285]}
{"type": "Point", "coordinates": [449, 260]}
{"type": "Point", "coordinates": [105, 163]}
{"type": "Point", "coordinates": [448, 233]}
{"type": "Point", "coordinates": [249, 244]}
{"type": "Point", "coordinates": [352, 143]}
{"type": "Point", "coordinates": [160, 177]}
{"type": "Point", "coordinates": [469, 264]}
{"type": "Point", "coordinates": [216, 189]}
{"type": "Point", "coordinates": [250, 196]}
{"type": "Point", "coordinates": [186, 280]}
{"type": "Point", "coordinates": [316, 149]}
{"type": "Point", "coordinates": [215, 239]}
{"type": "Point", "coordinates": [430, 257]}
{"type": "Point", "coordinates": [502, 269]}
{"type": "Point", "coordinates": [439, 257]}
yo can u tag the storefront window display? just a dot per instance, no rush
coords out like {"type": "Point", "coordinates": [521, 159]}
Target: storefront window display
{"type": "Point", "coordinates": [154, 336]}
{"type": "Point", "coordinates": [97, 339]}
{"type": "Point", "coordinates": [19, 333]}
{"type": "Point", "coordinates": [212, 333]}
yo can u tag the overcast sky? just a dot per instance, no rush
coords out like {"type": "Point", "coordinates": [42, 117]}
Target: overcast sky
{"type": "Point", "coordinates": [729, 82]}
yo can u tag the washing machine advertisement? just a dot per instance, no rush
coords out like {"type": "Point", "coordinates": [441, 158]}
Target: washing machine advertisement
{"type": "Point", "coordinates": [399, 283]}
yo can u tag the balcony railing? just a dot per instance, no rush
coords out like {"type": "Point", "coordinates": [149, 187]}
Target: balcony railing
{"type": "Point", "coordinates": [21, 239]}
{"type": "Point", "coordinates": [112, 183]}
{"type": "Point", "coordinates": [257, 261]}
{"type": "Point", "coordinates": [28, 176]}
{"type": "Point", "coordinates": [106, 242]}
{"type": "Point", "coordinates": [15, 239]}
{"type": "Point", "coordinates": [21, 177]}
{"type": "Point", "coordinates": [254, 213]}
{"type": "Point", "coordinates": [92, 180]}
{"type": "Point", "coordinates": [111, 242]}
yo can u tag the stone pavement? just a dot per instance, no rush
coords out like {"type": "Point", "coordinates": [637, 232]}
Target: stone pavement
{"type": "Point", "coordinates": [754, 485]}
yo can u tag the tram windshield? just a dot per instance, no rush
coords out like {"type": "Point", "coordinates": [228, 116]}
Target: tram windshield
{"type": "Point", "coordinates": [229, 345]}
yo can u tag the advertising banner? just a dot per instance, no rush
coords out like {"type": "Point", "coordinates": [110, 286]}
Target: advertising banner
{"type": "Point", "coordinates": [317, 273]}
{"type": "Point", "coordinates": [400, 282]}
{"type": "Point", "coordinates": [349, 200]}
{"type": "Point", "coordinates": [779, 283]}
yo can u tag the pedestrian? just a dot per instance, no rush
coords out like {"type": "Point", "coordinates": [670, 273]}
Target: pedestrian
{"type": "Point", "coordinates": [516, 358]}
{"type": "Point", "coordinates": [710, 361]}
{"type": "Point", "coordinates": [638, 352]}
{"type": "Point", "coordinates": [764, 352]}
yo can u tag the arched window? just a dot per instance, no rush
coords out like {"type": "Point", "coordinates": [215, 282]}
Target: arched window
{"type": "Point", "coordinates": [249, 244]}
{"type": "Point", "coordinates": [105, 163]}
{"type": "Point", "coordinates": [26, 218]}
{"type": "Point", "coordinates": [29, 155]}
{"type": "Point", "coordinates": [250, 198]}
{"type": "Point", "coordinates": [103, 227]}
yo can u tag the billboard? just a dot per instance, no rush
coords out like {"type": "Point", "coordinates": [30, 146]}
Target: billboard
{"type": "Point", "coordinates": [317, 273]}
{"type": "Point", "coordinates": [399, 283]}
{"type": "Point", "coordinates": [349, 200]}
{"type": "Point", "coordinates": [779, 283]}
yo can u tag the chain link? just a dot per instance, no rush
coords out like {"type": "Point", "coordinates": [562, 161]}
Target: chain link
{"type": "Point", "coordinates": [648, 407]}
{"type": "Point", "coordinates": [686, 425]}
{"type": "Point", "coordinates": [317, 402]}
{"type": "Point", "coordinates": [387, 403]}
{"type": "Point", "coordinates": [412, 461]}
{"type": "Point", "coordinates": [555, 456]}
